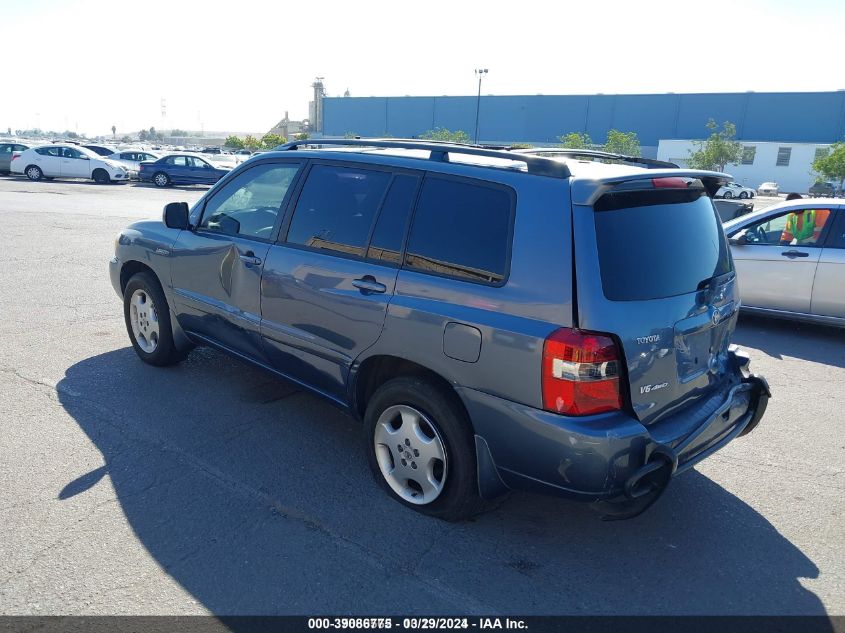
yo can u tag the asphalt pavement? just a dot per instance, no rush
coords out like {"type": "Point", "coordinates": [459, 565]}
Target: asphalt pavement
{"type": "Point", "coordinates": [212, 487]}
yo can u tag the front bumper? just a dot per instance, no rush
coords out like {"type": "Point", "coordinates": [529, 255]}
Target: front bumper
{"type": "Point", "coordinates": [601, 457]}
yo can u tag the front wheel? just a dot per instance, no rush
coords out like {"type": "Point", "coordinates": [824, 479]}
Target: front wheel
{"type": "Point", "coordinates": [728, 194]}
{"type": "Point", "coordinates": [743, 194]}
{"type": "Point", "coordinates": [421, 449]}
{"type": "Point", "coordinates": [161, 179]}
{"type": "Point", "coordinates": [147, 318]}
{"type": "Point", "coordinates": [101, 177]}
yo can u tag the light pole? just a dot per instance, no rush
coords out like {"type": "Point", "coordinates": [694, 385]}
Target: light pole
{"type": "Point", "coordinates": [480, 72]}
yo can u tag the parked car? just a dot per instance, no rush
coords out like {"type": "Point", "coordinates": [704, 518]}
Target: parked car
{"type": "Point", "coordinates": [823, 190]}
{"type": "Point", "coordinates": [132, 159]}
{"type": "Point", "coordinates": [7, 152]}
{"type": "Point", "coordinates": [768, 189]}
{"type": "Point", "coordinates": [67, 161]}
{"type": "Point", "coordinates": [509, 321]}
{"type": "Point", "coordinates": [730, 209]}
{"type": "Point", "coordinates": [734, 190]}
{"type": "Point", "coordinates": [180, 169]}
{"type": "Point", "coordinates": [790, 260]}
{"type": "Point", "coordinates": [100, 150]}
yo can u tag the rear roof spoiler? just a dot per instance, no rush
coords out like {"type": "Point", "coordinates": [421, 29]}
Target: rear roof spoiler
{"type": "Point", "coordinates": [587, 190]}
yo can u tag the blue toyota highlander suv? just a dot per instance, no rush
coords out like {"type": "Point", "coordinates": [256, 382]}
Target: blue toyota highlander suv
{"type": "Point", "coordinates": [555, 320]}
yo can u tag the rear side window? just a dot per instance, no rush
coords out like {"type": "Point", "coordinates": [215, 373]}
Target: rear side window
{"type": "Point", "coordinates": [48, 151]}
{"type": "Point", "coordinates": [336, 208]}
{"type": "Point", "coordinates": [462, 229]}
{"type": "Point", "coordinates": [658, 243]}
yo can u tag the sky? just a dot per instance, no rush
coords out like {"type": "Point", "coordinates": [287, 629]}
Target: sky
{"type": "Point", "coordinates": [85, 65]}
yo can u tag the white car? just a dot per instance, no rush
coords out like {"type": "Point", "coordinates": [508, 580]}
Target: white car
{"type": "Point", "coordinates": [132, 158]}
{"type": "Point", "coordinates": [768, 189]}
{"type": "Point", "coordinates": [790, 260]}
{"type": "Point", "coordinates": [68, 161]}
{"type": "Point", "coordinates": [735, 190]}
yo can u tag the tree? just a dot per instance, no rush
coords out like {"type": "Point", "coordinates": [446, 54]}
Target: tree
{"type": "Point", "coordinates": [234, 142]}
{"type": "Point", "coordinates": [443, 134]}
{"type": "Point", "coordinates": [178, 132]}
{"type": "Point", "coordinates": [269, 140]}
{"type": "Point", "coordinates": [833, 165]}
{"type": "Point", "coordinates": [142, 135]}
{"type": "Point", "coordinates": [114, 131]}
{"type": "Point", "coordinates": [250, 142]}
{"type": "Point", "coordinates": [576, 140]}
{"type": "Point", "coordinates": [717, 151]}
{"type": "Point", "coordinates": [625, 143]}
{"type": "Point", "coordinates": [301, 136]}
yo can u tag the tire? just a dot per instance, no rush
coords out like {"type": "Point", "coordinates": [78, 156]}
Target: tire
{"type": "Point", "coordinates": [147, 318]}
{"type": "Point", "coordinates": [728, 194]}
{"type": "Point", "coordinates": [408, 423]}
{"type": "Point", "coordinates": [160, 179]}
{"type": "Point", "coordinates": [101, 177]}
{"type": "Point", "coordinates": [743, 194]}
{"type": "Point", "coordinates": [33, 172]}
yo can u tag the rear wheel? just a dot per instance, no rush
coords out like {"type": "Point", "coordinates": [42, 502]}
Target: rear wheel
{"type": "Point", "coordinates": [101, 177]}
{"type": "Point", "coordinates": [33, 172]}
{"type": "Point", "coordinates": [743, 194]}
{"type": "Point", "coordinates": [147, 318]}
{"type": "Point", "coordinates": [421, 450]}
{"type": "Point", "coordinates": [728, 194]}
{"type": "Point", "coordinates": [160, 179]}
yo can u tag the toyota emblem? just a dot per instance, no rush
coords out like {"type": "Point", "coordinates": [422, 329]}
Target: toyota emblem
{"type": "Point", "coordinates": [717, 317]}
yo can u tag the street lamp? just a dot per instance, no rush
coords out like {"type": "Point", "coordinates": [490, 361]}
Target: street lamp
{"type": "Point", "coordinates": [480, 72]}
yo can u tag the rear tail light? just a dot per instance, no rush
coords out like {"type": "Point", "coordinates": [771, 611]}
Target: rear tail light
{"type": "Point", "coordinates": [581, 373]}
{"type": "Point", "coordinates": [15, 156]}
{"type": "Point", "coordinates": [672, 182]}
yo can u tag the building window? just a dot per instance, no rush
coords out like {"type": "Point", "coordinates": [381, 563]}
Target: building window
{"type": "Point", "coordinates": [748, 154]}
{"type": "Point", "coordinates": [784, 154]}
{"type": "Point", "coordinates": [821, 152]}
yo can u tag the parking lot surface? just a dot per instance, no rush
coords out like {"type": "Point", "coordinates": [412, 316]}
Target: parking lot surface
{"type": "Point", "coordinates": [212, 487]}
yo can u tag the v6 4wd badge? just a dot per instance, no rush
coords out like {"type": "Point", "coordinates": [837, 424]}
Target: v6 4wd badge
{"type": "Point", "coordinates": [650, 388]}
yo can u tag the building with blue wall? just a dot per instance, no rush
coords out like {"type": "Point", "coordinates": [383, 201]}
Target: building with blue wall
{"type": "Point", "coordinates": [801, 117]}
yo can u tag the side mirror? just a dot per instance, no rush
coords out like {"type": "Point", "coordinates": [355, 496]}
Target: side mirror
{"type": "Point", "coordinates": [176, 215]}
{"type": "Point", "coordinates": [739, 239]}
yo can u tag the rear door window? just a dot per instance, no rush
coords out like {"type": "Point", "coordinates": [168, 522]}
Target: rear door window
{"type": "Point", "coordinates": [658, 243]}
{"type": "Point", "coordinates": [336, 208]}
{"type": "Point", "coordinates": [386, 243]}
{"type": "Point", "coordinates": [462, 229]}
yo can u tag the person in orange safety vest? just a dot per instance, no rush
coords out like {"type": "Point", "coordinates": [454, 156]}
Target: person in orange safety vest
{"type": "Point", "coordinates": [804, 226]}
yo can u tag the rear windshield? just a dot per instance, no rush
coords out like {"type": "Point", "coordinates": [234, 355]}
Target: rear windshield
{"type": "Point", "coordinates": [658, 243]}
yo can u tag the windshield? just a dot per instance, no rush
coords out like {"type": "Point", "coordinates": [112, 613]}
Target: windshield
{"type": "Point", "coordinates": [658, 243]}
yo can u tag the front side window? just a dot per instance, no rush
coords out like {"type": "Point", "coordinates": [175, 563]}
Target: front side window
{"type": "Point", "coordinates": [802, 227]}
{"type": "Point", "coordinates": [68, 152]}
{"type": "Point", "coordinates": [249, 204]}
{"type": "Point", "coordinates": [461, 229]}
{"type": "Point", "coordinates": [336, 208]}
{"type": "Point", "coordinates": [5, 149]}
{"type": "Point", "coordinates": [193, 161]}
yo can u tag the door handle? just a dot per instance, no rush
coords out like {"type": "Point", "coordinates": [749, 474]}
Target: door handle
{"type": "Point", "coordinates": [250, 259]}
{"type": "Point", "coordinates": [368, 285]}
{"type": "Point", "coordinates": [793, 253]}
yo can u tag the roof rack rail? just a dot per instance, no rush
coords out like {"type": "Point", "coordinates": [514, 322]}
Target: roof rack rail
{"type": "Point", "coordinates": [650, 163]}
{"type": "Point", "coordinates": [440, 150]}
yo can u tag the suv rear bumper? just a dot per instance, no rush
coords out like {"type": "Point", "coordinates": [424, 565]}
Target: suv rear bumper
{"type": "Point", "coordinates": [603, 457]}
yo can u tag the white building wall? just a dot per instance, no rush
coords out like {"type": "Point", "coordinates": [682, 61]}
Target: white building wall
{"type": "Point", "coordinates": [797, 176]}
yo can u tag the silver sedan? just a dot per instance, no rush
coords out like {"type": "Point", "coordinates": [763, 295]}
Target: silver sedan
{"type": "Point", "coordinates": [790, 260]}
